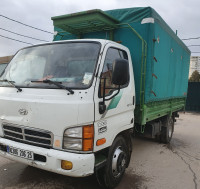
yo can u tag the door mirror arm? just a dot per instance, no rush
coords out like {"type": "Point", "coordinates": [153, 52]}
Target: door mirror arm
{"type": "Point", "coordinates": [102, 105]}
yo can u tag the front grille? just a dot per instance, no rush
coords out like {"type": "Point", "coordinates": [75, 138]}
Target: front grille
{"type": "Point", "coordinates": [28, 135]}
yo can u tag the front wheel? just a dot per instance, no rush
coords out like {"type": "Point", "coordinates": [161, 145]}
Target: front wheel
{"type": "Point", "coordinates": [117, 162]}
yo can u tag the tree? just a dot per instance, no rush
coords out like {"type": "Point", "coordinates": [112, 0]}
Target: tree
{"type": "Point", "coordinates": [195, 77]}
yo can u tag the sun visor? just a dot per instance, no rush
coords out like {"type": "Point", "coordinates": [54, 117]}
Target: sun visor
{"type": "Point", "coordinates": [85, 22]}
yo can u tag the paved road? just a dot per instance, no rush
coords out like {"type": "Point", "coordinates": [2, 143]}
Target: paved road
{"type": "Point", "coordinates": [153, 165]}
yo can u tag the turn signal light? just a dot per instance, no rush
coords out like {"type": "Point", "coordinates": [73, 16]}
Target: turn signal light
{"type": "Point", "coordinates": [88, 137]}
{"type": "Point", "coordinates": [101, 141]}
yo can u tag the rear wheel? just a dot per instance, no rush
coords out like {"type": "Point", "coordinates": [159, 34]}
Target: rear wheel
{"type": "Point", "coordinates": [167, 129]}
{"type": "Point", "coordinates": [117, 162]}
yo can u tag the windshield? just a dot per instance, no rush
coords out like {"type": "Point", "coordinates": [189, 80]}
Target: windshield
{"type": "Point", "coordinates": [71, 63]}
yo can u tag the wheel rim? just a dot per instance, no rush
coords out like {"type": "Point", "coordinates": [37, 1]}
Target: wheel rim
{"type": "Point", "coordinates": [118, 162]}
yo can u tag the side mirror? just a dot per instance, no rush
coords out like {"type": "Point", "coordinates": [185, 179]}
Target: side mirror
{"type": "Point", "coordinates": [120, 76]}
{"type": "Point", "coordinates": [120, 72]}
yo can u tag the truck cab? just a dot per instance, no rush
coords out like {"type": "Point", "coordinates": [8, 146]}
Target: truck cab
{"type": "Point", "coordinates": [70, 107]}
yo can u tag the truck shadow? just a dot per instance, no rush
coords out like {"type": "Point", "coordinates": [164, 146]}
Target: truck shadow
{"type": "Point", "coordinates": [45, 179]}
{"type": "Point", "coordinates": [16, 175]}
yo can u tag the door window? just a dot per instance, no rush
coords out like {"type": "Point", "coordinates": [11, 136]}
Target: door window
{"type": "Point", "coordinates": [111, 56]}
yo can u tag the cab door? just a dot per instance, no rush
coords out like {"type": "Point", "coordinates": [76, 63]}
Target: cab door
{"type": "Point", "coordinates": [119, 113]}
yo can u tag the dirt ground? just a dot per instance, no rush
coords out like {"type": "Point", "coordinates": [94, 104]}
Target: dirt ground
{"type": "Point", "coordinates": [153, 165]}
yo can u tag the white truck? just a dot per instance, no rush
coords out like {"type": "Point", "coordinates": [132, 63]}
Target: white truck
{"type": "Point", "coordinates": [68, 106]}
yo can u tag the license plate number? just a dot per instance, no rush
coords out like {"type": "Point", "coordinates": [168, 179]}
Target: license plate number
{"type": "Point", "coordinates": [20, 152]}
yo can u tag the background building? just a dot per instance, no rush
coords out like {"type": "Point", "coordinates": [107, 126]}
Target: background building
{"type": "Point", "coordinates": [5, 59]}
{"type": "Point", "coordinates": [194, 64]}
{"type": "Point", "coordinates": [4, 62]}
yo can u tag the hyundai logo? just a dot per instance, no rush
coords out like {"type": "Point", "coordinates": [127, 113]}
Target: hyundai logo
{"type": "Point", "coordinates": [23, 111]}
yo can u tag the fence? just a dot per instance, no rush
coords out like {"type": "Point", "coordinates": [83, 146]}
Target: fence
{"type": "Point", "coordinates": [193, 97]}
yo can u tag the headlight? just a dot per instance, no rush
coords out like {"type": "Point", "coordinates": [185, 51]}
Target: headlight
{"type": "Point", "coordinates": [72, 143]}
{"type": "Point", "coordinates": [74, 132]}
{"type": "Point", "coordinates": [79, 138]}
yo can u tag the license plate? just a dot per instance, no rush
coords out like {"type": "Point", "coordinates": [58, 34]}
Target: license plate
{"type": "Point", "coordinates": [20, 153]}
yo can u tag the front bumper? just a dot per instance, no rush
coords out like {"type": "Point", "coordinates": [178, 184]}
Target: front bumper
{"type": "Point", "coordinates": [83, 164]}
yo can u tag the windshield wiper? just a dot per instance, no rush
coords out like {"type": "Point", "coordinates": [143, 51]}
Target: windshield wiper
{"type": "Point", "coordinates": [58, 84]}
{"type": "Point", "coordinates": [12, 83]}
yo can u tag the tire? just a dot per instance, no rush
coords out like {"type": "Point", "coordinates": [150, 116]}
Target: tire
{"type": "Point", "coordinates": [118, 158]}
{"type": "Point", "coordinates": [167, 129]}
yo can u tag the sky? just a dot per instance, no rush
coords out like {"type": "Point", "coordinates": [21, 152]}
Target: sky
{"type": "Point", "coordinates": [181, 15]}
